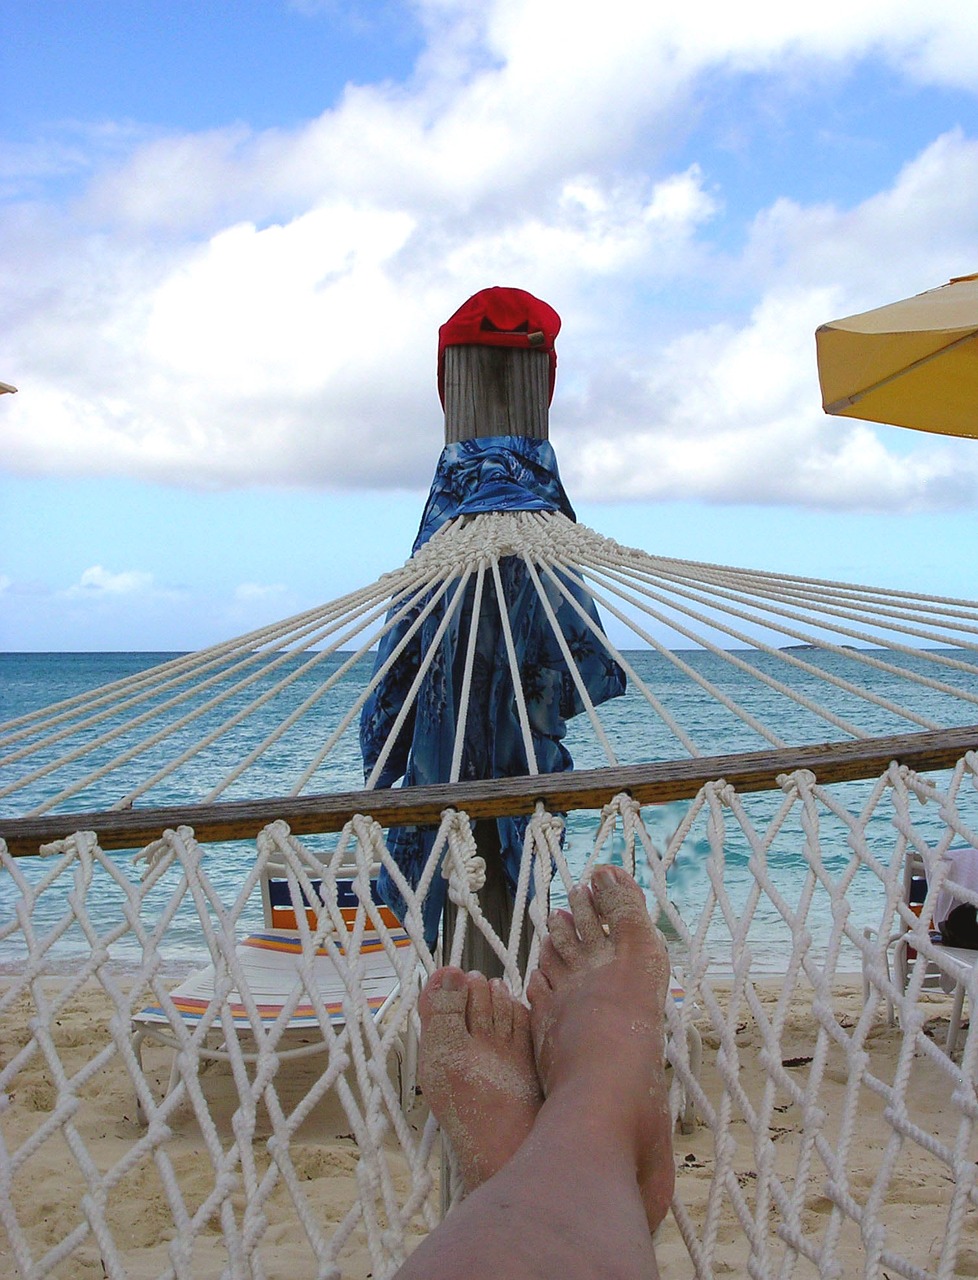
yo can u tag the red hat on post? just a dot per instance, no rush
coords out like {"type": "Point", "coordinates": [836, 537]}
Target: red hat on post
{"type": "Point", "coordinates": [500, 317]}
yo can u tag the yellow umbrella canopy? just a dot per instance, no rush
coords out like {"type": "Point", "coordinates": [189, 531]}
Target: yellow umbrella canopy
{"type": "Point", "coordinates": [912, 363]}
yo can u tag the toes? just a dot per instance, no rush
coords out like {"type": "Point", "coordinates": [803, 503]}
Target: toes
{"type": "Point", "coordinates": [618, 901]}
{"type": "Point", "coordinates": [445, 992]}
{"type": "Point", "coordinates": [551, 962]}
{"type": "Point", "coordinates": [479, 1009]}
{"type": "Point", "coordinates": [441, 1007]}
{"type": "Point", "coordinates": [620, 905]}
{"type": "Point", "coordinates": [521, 1021]}
{"type": "Point", "coordinates": [503, 1006]}
{"type": "Point", "coordinates": [562, 936]}
{"type": "Point", "coordinates": [539, 989]}
{"type": "Point", "coordinates": [586, 919]}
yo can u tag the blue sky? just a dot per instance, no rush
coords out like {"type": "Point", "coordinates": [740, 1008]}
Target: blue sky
{"type": "Point", "coordinates": [230, 231]}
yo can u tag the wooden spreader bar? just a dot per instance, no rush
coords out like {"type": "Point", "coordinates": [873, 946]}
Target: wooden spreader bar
{"type": "Point", "coordinates": [656, 783]}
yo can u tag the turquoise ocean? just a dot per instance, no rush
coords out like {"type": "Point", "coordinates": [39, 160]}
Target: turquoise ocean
{"type": "Point", "coordinates": [32, 681]}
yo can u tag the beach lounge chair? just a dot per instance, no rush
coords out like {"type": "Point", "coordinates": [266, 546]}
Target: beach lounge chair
{"type": "Point", "coordinates": [265, 1001]}
{"type": "Point", "coordinates": [948, 968]}
{"type": "Point", "coordinates": [955, 980]}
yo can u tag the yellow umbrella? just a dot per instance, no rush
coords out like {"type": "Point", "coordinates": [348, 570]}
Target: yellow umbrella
{"type": "Point", "coordinates": [913, 363]}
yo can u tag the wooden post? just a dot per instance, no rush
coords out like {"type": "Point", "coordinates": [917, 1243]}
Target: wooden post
{"type": "Point", "coordinates": [494, 391]}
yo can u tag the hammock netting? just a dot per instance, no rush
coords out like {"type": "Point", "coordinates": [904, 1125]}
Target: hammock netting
{"type": "Point", "coordinates": [778, 1178]}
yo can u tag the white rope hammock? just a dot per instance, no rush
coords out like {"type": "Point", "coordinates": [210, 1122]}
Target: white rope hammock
{"type": "Point", "coordinates": [784, 1176]}
{"type": "Point", "coordinates": [825, 660]}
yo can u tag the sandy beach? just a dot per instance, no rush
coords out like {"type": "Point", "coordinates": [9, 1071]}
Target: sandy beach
{"type": "Point", "coordinates": [143, 1193]}
{"type": "Point", "coordinates": [49, 1186]}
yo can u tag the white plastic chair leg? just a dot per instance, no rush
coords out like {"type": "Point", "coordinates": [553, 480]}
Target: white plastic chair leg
{"type": "Point", "coordinates": [954, 1026]}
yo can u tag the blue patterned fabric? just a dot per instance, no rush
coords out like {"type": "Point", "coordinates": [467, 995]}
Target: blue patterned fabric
{"type": "Point", "coordinates": [498, 473]}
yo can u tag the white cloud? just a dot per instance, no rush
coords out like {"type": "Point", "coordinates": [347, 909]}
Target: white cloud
{"type": "Point", "coordinates": [97, 582]}
{"type": "Point", "coordinates": [278, 310]}
{"type": "Point", "coordinates": [732, 413]}
{"type": "Point", "coordinates": [232, 307]}
{"type": "Point", "coordinates": [247, 592]}
{"type": "Point", "coordinates": [909, 237]}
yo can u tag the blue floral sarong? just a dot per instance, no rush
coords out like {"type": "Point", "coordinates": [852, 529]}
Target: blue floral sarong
{"type": "Point", "coordinates": [497, 473]}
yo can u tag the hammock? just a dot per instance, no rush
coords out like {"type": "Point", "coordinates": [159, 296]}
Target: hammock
{"type": "Point", "coordinates": [828, 661]}
{"type": "Point", "coordinates": [779, 1179]}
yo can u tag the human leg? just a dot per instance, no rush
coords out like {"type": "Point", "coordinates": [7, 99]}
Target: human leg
{"type": "Point", "coordinates": [581, 1196]}
{"type": "Point", "coordinates": [598, 1005]}
{"type": "Point", "coordinates": [477, 1070]}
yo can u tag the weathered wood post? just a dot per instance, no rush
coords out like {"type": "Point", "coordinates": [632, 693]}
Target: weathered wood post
{"type": "Point", "coordinates": [497, 381]}
{"type": "Point", "coordinates": [496, 391]}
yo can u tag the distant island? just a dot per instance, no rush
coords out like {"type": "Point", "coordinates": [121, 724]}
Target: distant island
{"type": "Point", "coordinates": [784, 647]}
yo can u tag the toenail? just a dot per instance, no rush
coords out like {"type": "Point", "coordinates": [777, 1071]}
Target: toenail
{"type": "Point", "coordinates": [453, 980]}
{"type": "Point", "coordinates": [604, 875]}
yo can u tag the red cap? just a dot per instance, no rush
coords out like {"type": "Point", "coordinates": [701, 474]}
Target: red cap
{"type": "Point", "coordinates": [500, 317]}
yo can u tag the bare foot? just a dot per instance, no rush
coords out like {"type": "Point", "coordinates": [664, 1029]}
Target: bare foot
{"type": "Point", "coordinates": [596, 1013]}
{"type": "Point", "coordinates": [477, 1070]}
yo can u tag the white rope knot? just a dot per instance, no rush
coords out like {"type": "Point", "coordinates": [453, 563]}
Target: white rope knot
{"type": "Point", "coordinates": [53, 847]}
{"type": "Point", "coordinates": [545, 824]}
{"type": "Point", "coordinates": [624, 805]}
{"type": "Point", "coordinates": [795, 783]}
{"type": "Point", "coordinates": [275, 834]}
{"type": "Point", "coordinates": [463, 868]}
{"type": "Point", "coordinates": [325, 925]}
{"type": "Point", "coordinates": [77, 842]}
{"type": "Point", "coordinates": [370, 834]}
{"type": "Point", "coordinates": [152, 855]}
{"type": "Point", "coordinates": [722, 790]}
{"type": "Point", "coordinates": [465, 882]}
{"type": "Point", "coordinates": [911, 782]}
{"type": "Point", "coordinates": [165, 848]}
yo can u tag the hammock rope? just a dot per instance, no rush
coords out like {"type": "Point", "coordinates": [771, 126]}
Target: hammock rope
{"type": "Point", "coordinates": [427, 660]}
{"type": "Point", "coordinates": [775, 1142]}
{"type": "Point", "coordinates": [636, 680]}
{"type": "Point", "coordinates": [178, 725]}
{"type": "Point", "coordinates": [865, 636]}
{"type": "Point", "coordinates": [568, 657]}
{"type": "Point", "coordinates": [725, 656]}
{"type": "Point", "coordinates": [792, 660]}
{"type": "Point", "coordinates": [514, 672]}
{"type": "Point", "coordinates": [310, 635]}
{"type": "Point", "coordinates": [463, 718]}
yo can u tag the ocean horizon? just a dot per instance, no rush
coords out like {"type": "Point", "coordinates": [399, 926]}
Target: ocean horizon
{"type": "Point", "coordinates": [33, 680]}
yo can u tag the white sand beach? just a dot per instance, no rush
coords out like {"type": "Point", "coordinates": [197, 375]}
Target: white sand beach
{"type": "Point", "coordinates": [144, 1192]}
